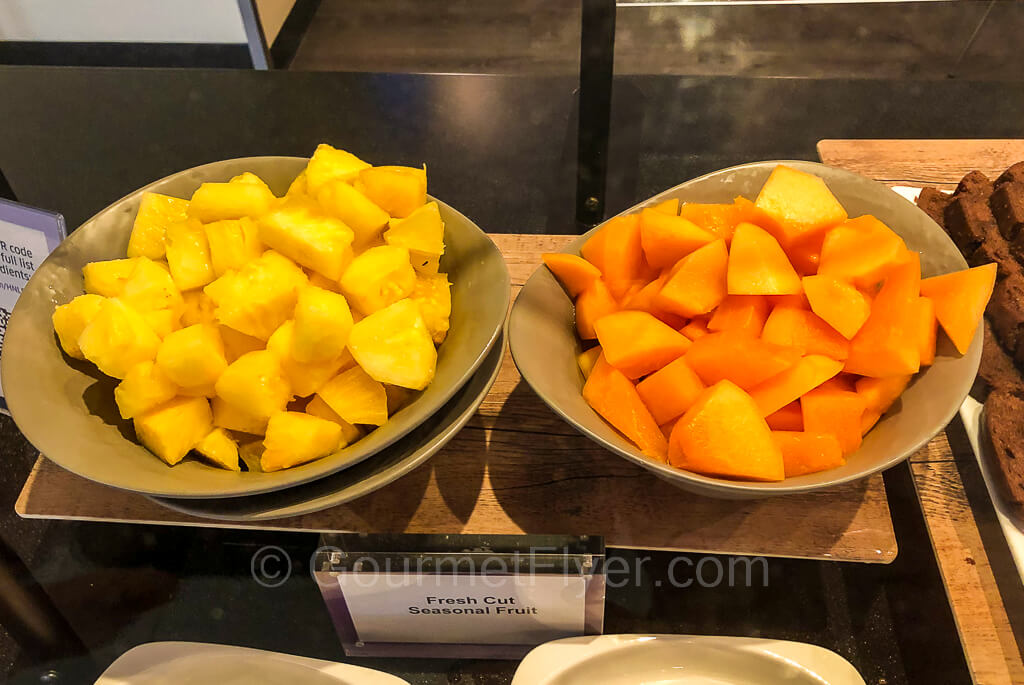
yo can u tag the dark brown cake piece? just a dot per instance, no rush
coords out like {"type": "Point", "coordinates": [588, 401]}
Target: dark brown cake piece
{"type": "Point", "coordinates": [997, 369]}
{"type": "Point", "coordinates": [1004, 424]}
{"type": "Point", "coordinates": [1015, 174]}
{"type": "Point", "coordinates": [1006, 312]}
{"type": "Point", "coordinates": [934, 203]}
{"type": "Point", "coordinates": [996, 249]}
{"type": "Point", "coordinates": [974, 183]}
{"type": "Point", "coordinates": [968, 220]}
{"type": "Point", "coordinates": [1007, 205]}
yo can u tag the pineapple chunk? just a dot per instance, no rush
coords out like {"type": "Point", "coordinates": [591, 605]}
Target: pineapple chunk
{"type": "Point", "coordinates": [328, 164]}
{"type": "Point", "coordinates": [319, 242]}
{"type": "Point", "coordinates": [236, 344]}
{"type": "Point", "coordinates": [233, 243]}
{"type": "Point", "coordinates": [232, 418]}
{"type": "Point", "coordinates": [193, 357]}
{"type": "Point", "coordinates": [398, 190]}
{"type": "Point", "coordinates": [156, 213]}
{"type": "Point", "coordinates": [304, 378]}
{"type": "Point", "coordinates": [174, 428]}
{"type": "Point", "coordinates": [341, 200]}
{"type": "Point", "coordinates": [249, 177]}
{"type": "Point", "coordinates": [434, 296]}
{"type": "Point", "coordinates": [323, 322]}
{"type": "Point", "coordinates": [394, 346]}
{"type": "Point", "coordinates": [378, 277]}
{"type": "Point", "coordinates": [255, 384]}
{"type": "Point", "coordinates": [356, 397]}
{"type": "Point", "coordinates": [349, 433]}
{"type": "Point", "coordinates": [422, 233]}
{"type": "Point", "coordinates": [144, 387]}
{"type": "Point", "coordinates": [188, 254]}
{"type": "Point", "coordinates": [219, 448]}
{"type": "Point", "coordinates": [260, 297]}
{"type": "Point", "coordinates": [107, 278]}
{"type": "Point", "coordinates": [297, 188]}
{"type": "Point", "coordinates": [162, 321]}
{"type": "Point", "coordinates": [294, 438]}
{"type": "Point", "coordinates": [150, 287]}
{"type": "Point", "coordinates": [398, 397]}
{"type": "Point", "coordinates": [69, 320]}
{"type": "Point", "coordinates": [198, 308]}
{"type": "Point", "coordinates": [117, 339]}
{"type": "Point", "coordinates": [217, 201]}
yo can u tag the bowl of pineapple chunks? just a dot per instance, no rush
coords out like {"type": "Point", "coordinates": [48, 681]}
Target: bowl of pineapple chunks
{"type": "Point", "coordinates": [771, 328]}
{"type": "Point", "coordinates": [250, 325]}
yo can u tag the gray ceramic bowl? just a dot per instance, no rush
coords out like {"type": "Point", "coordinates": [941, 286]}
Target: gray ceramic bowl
{"type": "Point", "coordinates": [67, 409]}
{"type": "Point", "coordinates": [543, 341]}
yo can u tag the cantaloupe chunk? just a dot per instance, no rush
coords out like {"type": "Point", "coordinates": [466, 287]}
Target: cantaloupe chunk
{"type": "Point", "coordinates": [926, 329]}
{"type": "Point", "coordinates": [668, 206]}
{"type": "Point", "coordinates": [960, 299]}
{"type": "Point", "coordinates": [696, 284]}
{"type": "Point", "coordinates": [841, 305]}
{"type": "Point", "coordinates": [636, 343]}
{"type": "Point", "coordinates": [574, 273]}
{"type": "Point", "coordinates": [724, 435]}
{"type": "Point", "coordinates": [805, 452]}
{"type": "Point", "coordinates": [758, 265]}
{"type": "Point", "coordinates": [643, 299]}
{"type": "Point", "coordinates": [592, 304]}
{"type": "Point", "coordinates": [801, 203]}
{"type": "Point", "coordinates": [670, 391]}
{"type": "Point", "coordinates": [740, 358]}
{"type": "Point", "coordinates": [879, 394]}
{"type": "Point", "coordinates": [615, 398]}
{"type": "Point", "coordinates": [587, 359]}
{"type": "Point", "coordinates": [806, 331]}
{"type": "Point", "coordinates": [860, 251]}
{"type": "Point", "coordinates": [667, 239]}
{"type": "Point", "coordinates": [838, 412]}
{"type": "Point", "coordinates": [667, 428]}
{"type": "Point", "coordinates": [781, 389]}
{"type": "Point", "coordinates": [719, 219]}
{"type": "Point", "coordinates": [887, 343]}
{"type": "Point", "coordinates": [745, 313]}
{"type": "Point", "coordinates": [695, 328]}
{"type": "Point", "coordinates": [618, 253]}
{"type": "Point", "coordinates": [789, 418]}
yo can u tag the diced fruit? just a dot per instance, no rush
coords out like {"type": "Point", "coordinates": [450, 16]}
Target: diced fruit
{"type": "Point", "coordinates": [779, 390]}
{"type": "Point", "coordinates": [789, 418]}
{"type": "Point", "coordinates": [150, 288]}
{"type": "Point", "coordinates": [574, 273]}
{"type": "Point", "coordinates": [255, 384]}
{"type": "Point", "coordinates": [117, 339]}
{"type": "Point", "coordinates": [260, 297]}
{"type": "Point", "coordinates": [330, 164]}
{"type": "Point", "coordinates": [323, 322]}
{"type": "Point", "coordinates": [842, 306]}
{"type": "Point", "coordinates": [636, 343]}
{"type": "Point", "coordinates": [593, 303]}
{"type": "Point", "coordinates": [349, 433]}
{"type": "Point", "coordinates": [670, 207]}
{"type": "Point", "coordinates": [695, 329]}
{"type": "Point", "coordinates": [298, 188]}
{"type": "Point", "coordinates": [233, 243]}
{"type": "Point", "coordinates": [806, 331]}
{"type": "Point", "coordinates": [162, 321]}
{"type": "Point", "coordinates": [156, 213]}
{"type": "Point", "coordinates": [294, 438]}
{"type": "Point", "coordinates": [960, 299]}
{"type": "Point", "coordinates": [236, 344]}
{"type": "Point", "coordinates": [860, 251]}
{"type": "Point", "coordinates": [172, 429]}
{"type": "Point", "coordinates": [615, 398]}
{"type": "Point", "coordinates": [378, 278]}
{"type": "Point", "coordinates": [433, 294]}
{"type": "Point", "coordinates": [220, 449]}
{"type": "Point", "coordinates": [926, 329]}
{"type": "Point", "coordinates": [800, 203]}
{"type": "Point", "coordinates": [697, 283]}
{"type": "Point", "coordinates": [618, 252]}
{"type": "Point", "coordinates": [393, 346]}
{"type": "Point", "coordinates": [144, 387]}
{"type": "Point", "coordinates": [217, 201]}
{"type": "Point", "coordinates": [398, 190]}
{"type": "Point", "coordinates": [587, 359]}
{"type": "Point", "coordinates": [804, 453]}
{"type": "Point", "coordinates": [69, 320]}
{"type": "Point", "coordinates": [670, 391]}
{"type": "Point", "coordinates": [758, 265]}
{"type": "Point", "coordinates": [108, 278]}
{"type": "Point", "coordinates": [249, 177]}
{"type": "Point", "coordinates": [318, 242]}
{"type": "Point", "coordinates": [356, 398]}
{"type": "Point", "coordinates": [724, 435]}
{"type": "Point", "coordinates": [198, 308]}
{"type": "Point", "coordinates": [718, 219]}
{"type": "Point", "coordinates": [668, 238]}
{"type": "Point", "coordinates": [879, 394]}
{"type": "Point", "coordinates": [340, 200]}
{"type": "Point", "coordinates": [193, 356]}
{"type": "Point", "coordinates": [742, 313]}
{"type": "Point", "coordinates": [229, 416]}
{"type": "Point", "coordinates": [644, 298]}
{"type": "Point", "coordinates": [834, 411]}
{"type": "Point", "coordinates": [422, 233]}
{"type": "Point", "coordinates": [188, 254]}
{"type": "Point", "coordinates": [304, 378]}
{"type": "Point", "coordinates": [739, 358]}
{"type": "Point", "coordinates": [887, 343]}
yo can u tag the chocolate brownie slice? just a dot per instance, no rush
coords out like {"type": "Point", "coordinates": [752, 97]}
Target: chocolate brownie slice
{"type": "Point", "coordinates": [1007, 205]}
{"type": "Point", "coordinates": [1004, 423]}
{"type": "Point", "coordinates": [1015, 174]}
{"type": "Point", "coordinates": [968, 220]}
{"type": "Point", "coordinates": [996, 249]}
{"type": "Point", "coordinates": [974, 183]}
{"type": "Point", "coordinates": [1006, 311]}
{"type": "Point", "coordinates": [997, 369]}
{"type": "Point", "coordinates": [934, 203]}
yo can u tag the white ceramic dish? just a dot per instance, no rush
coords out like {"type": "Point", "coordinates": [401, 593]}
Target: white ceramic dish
{"type": "Point", "coordinates": [682, 660]}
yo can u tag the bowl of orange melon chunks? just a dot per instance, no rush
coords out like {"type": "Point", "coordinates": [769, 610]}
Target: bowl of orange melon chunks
{"type": "Point", "coordinates": [251, 324]}
{"type": "Point", "coordinates": [771, 328]}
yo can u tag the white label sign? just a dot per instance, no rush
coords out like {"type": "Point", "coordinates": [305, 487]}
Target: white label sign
{"type": "Point", "coordinates": [464, 609]}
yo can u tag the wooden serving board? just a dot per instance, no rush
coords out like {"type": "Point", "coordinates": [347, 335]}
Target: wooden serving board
{"type": "Point", "coordinates": [518, 468]}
